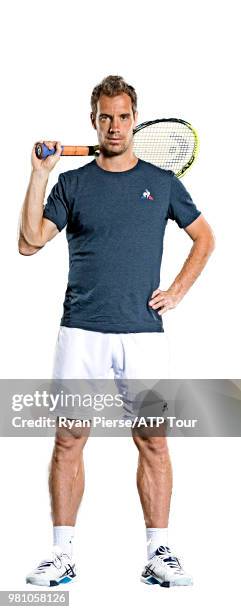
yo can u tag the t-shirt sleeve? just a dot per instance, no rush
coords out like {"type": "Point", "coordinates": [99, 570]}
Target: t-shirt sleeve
{"type": "Point", "coordinates": [57, 206]}
{"type": "Point", "coordinates": [181, 207]}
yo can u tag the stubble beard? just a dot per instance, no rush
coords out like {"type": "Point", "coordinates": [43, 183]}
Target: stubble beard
{"type": "Point", "coordinates": [109, 152]}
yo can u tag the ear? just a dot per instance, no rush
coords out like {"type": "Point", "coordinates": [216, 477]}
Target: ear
{"type": "Point", "coordinates": [92, 118]}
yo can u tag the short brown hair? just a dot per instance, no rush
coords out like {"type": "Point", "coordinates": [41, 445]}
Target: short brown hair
{"type": "Point", "coordinates": [112, 85]}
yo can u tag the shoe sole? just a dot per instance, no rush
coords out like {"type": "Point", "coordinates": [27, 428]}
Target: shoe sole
{"type": "Point", "coordinates": [166, 584]}
{"type": "Point", "coordinates": [53, 583]}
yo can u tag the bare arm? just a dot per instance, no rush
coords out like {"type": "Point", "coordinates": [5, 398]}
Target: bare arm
{"type": "Point", "coordinates": [204, 243]}
{"type": "Point", "coordinates": [34, 229]}
{"type": "Point", "coordinates": [49, 230]}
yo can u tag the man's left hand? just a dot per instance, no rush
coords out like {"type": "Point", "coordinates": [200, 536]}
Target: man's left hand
{"type": "Point", "coordinates": [165, 300]}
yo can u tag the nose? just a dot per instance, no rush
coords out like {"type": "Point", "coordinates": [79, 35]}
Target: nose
{"type": "Point", "coordinates": [115, 125]}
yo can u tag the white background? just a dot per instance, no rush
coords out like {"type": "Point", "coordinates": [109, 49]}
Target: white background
{"type": "Point", "coordinates": [182, 60]}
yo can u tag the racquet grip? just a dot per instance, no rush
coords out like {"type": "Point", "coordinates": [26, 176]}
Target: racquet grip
{"type": "Point", "coordinates": [42, 151]}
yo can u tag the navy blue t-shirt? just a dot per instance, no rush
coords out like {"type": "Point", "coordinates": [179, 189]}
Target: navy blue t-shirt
{"type": "Point", "coordinates": [115, 228]}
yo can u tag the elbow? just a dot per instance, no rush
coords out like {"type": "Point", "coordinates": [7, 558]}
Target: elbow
{"type": "Point", "coordinates": [26, 250]}
{"type": "Point", "coordinates": [212, 243]}
{"type": "Point", "coordinates": [21, 252]}
{"type": "Point", "coordinates": [33, 241]}
{"type": "Point", "coordinates": [209, 248]}
{"type": "Point", "coordinates": [207, 243]}
{"type": "Point", "coordinates": [211, 240]}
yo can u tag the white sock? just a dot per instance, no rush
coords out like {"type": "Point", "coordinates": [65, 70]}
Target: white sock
{"type": "Point", "coordinates": [63, 537]}
{"type": "Point", "coordinates": [155, 537]}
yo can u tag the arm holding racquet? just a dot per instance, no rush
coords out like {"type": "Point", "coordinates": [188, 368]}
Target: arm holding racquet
{"type": "Point", "coordinates": [34, 230]}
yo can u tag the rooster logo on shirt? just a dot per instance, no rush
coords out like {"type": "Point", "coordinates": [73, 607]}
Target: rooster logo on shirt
{"type": "Point", "coordinates": [147, 195]}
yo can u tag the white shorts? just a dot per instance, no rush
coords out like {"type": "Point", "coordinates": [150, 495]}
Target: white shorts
{"type": "Point", "coordinates": [85, 354]}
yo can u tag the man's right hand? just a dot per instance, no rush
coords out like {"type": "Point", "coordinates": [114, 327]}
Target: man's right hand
{"type": "Point", "coordinates": [49, 162]}
{"type": "Point", "coordinates": [35, 230]}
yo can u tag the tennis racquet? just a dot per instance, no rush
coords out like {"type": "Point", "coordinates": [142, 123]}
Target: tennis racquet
{"type": "Point", "coordinates": [171, 144]}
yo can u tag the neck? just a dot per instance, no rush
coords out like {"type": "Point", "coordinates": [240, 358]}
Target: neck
{"type": "Point", "coordinates": [117, 163]}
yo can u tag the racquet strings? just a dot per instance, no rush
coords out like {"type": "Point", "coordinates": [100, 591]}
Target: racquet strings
{"type": "Point", "coordinates": [165, 144]}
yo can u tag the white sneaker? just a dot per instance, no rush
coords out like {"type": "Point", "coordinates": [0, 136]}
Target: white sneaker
{"type": "Point", "coordinates": [165, 569]}
{"type": "Point", "coordinates": [52, 572]}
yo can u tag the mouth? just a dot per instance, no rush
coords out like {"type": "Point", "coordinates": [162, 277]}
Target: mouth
{"type": "Point", "coordinates": [114, 139]}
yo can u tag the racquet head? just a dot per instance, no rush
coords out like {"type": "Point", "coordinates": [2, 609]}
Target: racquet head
{"type": "Point", "coordinates": [171, 144]}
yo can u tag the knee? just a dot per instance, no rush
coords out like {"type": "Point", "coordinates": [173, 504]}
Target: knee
{"type": "Point", "coordinates": [152, 446]}
{"type": "Point", "coordinates": [68, 449]}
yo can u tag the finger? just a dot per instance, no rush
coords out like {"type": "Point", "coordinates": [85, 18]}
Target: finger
{"type": "Point", "coordinates": [153, 300]}
{"type": "Point", "coordinates": [58, 149]}
{"type": "Point", "coordinates": [161, 306]}
{"type": "Point", "coordinates": [155, 292]}
{"type": "Point", "coordinates": [161, 312]}
{"type": "Point", "coordinates": [50, 144]}
{"type": "Point", "coordinates": [158, 294]}
{"type": "Point", "coordinates": [158, 300]}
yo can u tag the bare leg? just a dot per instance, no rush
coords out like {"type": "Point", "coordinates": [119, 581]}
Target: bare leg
{"type": "Point", "coordinates": [154, 478]}
{"type": "Point", "coordinates": [66, 476]}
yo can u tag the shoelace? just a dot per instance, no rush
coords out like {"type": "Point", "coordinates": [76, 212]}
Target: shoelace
{"type": "Point", "coordinates": [47, 562]}
{"type": "Point", "coordinates": [164, 555]}
{"type": "Point", "coordinates": [171, 562]}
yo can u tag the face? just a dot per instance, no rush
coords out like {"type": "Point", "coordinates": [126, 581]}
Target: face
{"type": "Point", "coordinates": [114, 123]}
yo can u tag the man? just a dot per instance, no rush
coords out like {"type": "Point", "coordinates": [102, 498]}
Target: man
{"type": "Point", "coordinates": [113, 306]}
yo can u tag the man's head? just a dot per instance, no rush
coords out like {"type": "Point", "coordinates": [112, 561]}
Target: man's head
{"type": "Point", "coordinates": [114, 115]}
